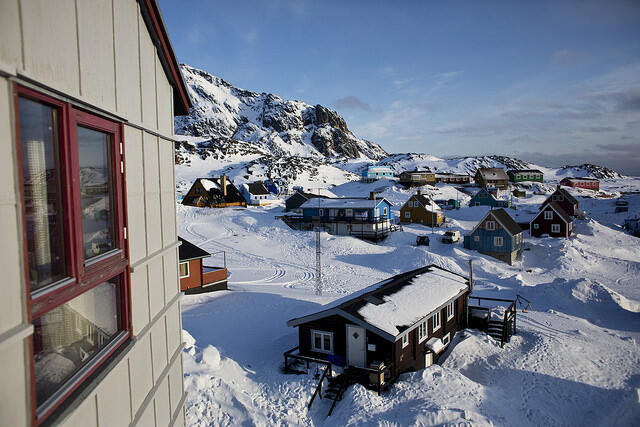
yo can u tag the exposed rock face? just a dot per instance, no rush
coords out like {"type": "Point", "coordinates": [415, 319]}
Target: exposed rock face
{"type": "Point", "coordinates": [596, 171]}
{"type": "Point", "coordinates": [281, 127]}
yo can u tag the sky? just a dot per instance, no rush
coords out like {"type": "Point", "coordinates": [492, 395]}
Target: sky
{"type": "Point", "coordinates": [551, 83]}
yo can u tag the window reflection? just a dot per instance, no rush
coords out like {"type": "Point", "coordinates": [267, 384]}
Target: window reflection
{"type": "Point", "coordinates": [96, 196]}
{"type": "Point", "coordinates": [69, 336]}
{"type": "Point", "coordinates": [42, 193]}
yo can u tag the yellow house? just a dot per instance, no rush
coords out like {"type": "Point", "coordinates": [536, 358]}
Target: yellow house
{"type": "Point", "coordinates": [421, 210]}
{"type": "Point", "coordinates": [90, 325]}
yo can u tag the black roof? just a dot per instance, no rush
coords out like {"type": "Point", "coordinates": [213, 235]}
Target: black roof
{"type": "Point", "coordinates": [258, 188]}
{"type": "Point", "coordinates": [563, 214]}
{"type": "Point", "coordinates": [189, 251]}
{"type": "Point", "coordinates": [565, 193]}
{"type": "Point", "coordinates": [507, 222]}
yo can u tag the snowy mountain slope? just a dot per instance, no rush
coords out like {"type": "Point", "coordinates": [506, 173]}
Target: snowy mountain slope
{"type": "Point", "coordinates": [574, 361]}
{"type": "Point", "coordinates": [281, 127]}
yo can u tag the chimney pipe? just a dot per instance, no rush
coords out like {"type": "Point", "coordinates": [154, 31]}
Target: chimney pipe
{"type": "Point", "coordinates": [470, 276]}
{"type": "Point", "coordinates": [372, 195]}
{"type": "Point", "coordinates": [419, 192]}
{"type": "Point", "coordinates": [224, 185]}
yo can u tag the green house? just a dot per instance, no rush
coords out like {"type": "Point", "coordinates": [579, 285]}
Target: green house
{"type": "Point", "coordinates": [525, 175]}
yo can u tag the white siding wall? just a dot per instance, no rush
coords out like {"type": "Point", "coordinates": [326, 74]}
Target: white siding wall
{"type": "Point", "coordinates": [100, 53]}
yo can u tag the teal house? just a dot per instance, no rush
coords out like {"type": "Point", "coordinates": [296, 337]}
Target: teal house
{"type": "Point", "coordinates": [496, 235]}
{"type": "Point", "coordinates": [487, 198]}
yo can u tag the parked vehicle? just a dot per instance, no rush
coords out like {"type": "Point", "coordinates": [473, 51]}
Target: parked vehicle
{"type": "Point", "coordinates": [622, 206]}
{"type": "Point", "coordinates": [451, 237]}
{"type": "Point", "coordinates": [422, 241]}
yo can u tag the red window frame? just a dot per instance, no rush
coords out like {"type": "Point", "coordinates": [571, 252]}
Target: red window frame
{"type": "Point", "coordinates": [82, 275]}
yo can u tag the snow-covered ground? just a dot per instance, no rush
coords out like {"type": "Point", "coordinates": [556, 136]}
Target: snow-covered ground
{"type": "Point", "coordinates": [574, 361]}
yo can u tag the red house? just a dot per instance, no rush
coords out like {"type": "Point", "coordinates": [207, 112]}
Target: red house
{"type": "Point", "coordinates": [552, 220]}
{"type": "Point", "coordinates": [565, 200]}
{"type": "Point", "coordinates": [588, 183]}
{"type": "Point", "coordinates": [195, 277]}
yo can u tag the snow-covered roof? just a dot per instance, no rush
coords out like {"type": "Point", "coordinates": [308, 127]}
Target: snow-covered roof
{"type": "Point", "coordinates": [342, 203]}
{"type": "Point", "coordinates": [422, 295]}
{"type": "Point", "coordinates": [208, 184]}
{"type": "Point", "coordinates": [390, 307]}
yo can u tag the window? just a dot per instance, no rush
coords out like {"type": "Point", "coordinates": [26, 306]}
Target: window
{"type": "Point", "coordinates": [435, 322]}
{"type": "Point", "coordinates": [349, 212]}
{"type": "Point", "coordinates": [321, 212]}
{"type": "Point", "coordinates": [555, 228]}
{"type": "Point", "coordinates": [422, 331]}
{"type": "Point", "coordinates": [407, 214]}
{"type": "Point", "coordinates": [490, 225]}
{"type": "Point", "coordinates": [405, 340]}
{"type": "Point", "coordinates": [450, 310]}
{"type": "Point", "coordinates": [384, 210]}
{"type": "Point", "coordinates": [322, 341]}
{"type": "Point", "coordinates": [548, 215]}
{"type": "Point", "coordinates": [74, 239]}
{"type": "Point", "coordinates": [198, 190]}
{"type": "Point", "coordinates": [184, 269]}
{"type": "Point", "coordinates": [498, 241]}
{"type": "Point", "coordinates": [536, 226]}
{"type": "Point", "coordinates": [446, 339]}
{"type": "Point", "coordinates": [476, 238]}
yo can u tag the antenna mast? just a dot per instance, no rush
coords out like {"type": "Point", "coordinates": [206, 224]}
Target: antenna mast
{"type": "Point", "coordinates": [318, 253]}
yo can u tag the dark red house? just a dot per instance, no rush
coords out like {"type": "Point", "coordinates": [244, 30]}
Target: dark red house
{"type": "Point", "coordinates": [565, 200]}
{"type": "Point", "coordinates": [588, 183]}
{"type": "Point", "coordinates": [195, 277]}
{"type": "Point", "coordinates": [552, 220]}
{"type": "Point", "coordinates": [404, 322]}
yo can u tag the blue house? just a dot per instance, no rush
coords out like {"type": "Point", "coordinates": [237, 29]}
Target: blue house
{"type": "Point", "coordinates": [485, 197]}
{"type": "Point", "coordinates": [369, 218]}
{"type": "Point", "coordinates": [496, 235]}
{"type": "Point", "coordinates": [374, 173]}
{"type": "Point", "coordinates": [277, 186]}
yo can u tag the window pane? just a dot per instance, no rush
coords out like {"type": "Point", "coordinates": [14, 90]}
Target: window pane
{"type": "Point", "coordinates": [327, 342]}
{"type": "Point", "coordinates": [69, 336]}
{"type": "Point", "coordinates": [42, 192]}
{"type": "Point", "coordinates": [96, 191]}
{"type": "Point", "coordinates": [317, 341]}
{"type": "Point", "coordinates": [184, 269]}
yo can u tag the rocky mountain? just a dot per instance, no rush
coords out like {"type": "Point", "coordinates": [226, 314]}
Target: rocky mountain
{"type": "Point", "coordinates": [272, 125]}
{"type": "Point", "coordinates": [595, 171]}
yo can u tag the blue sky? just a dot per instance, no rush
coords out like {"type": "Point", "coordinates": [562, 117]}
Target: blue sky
{"type": "Point", "coordinates": [549, 82]}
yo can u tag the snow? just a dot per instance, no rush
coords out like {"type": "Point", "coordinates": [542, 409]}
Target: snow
{"type": "Point", "coordinates": [575, 359]}
{"type": "Point", "coordinates": [413, 302]}
{"type": "Point", "coordinates": [208, 184]}
{"type": "Point", "coordinates": [435, 344]}
{"type": "Point", "coordinates": [341, 203]}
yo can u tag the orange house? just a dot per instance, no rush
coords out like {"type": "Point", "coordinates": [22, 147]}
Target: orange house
{"type": "Point", "coordinates": [195, 277]}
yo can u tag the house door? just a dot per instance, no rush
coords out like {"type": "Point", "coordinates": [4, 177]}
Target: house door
{"type": "Point", "coordinates": [356, 346]}
{"type": "Point", "coordinates": [428, 359]}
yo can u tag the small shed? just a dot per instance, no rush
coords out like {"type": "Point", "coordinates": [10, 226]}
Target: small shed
{"type": "Point", "coordinates": [496, 235]}
{"type": "Point", "coordinates": [552, 220]}
{"type": "Point", "coordinates": [405, 322]}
